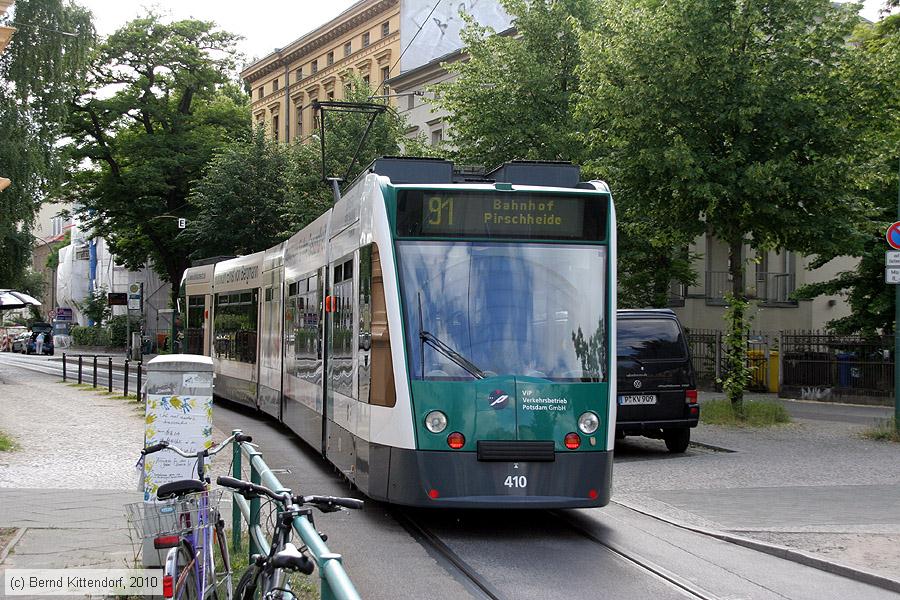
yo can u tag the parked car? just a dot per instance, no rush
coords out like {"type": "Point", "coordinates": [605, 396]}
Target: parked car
{"type": "Point", "coordinates": [46, 330]}
{"type": "Point", "coordinates": [656, 386]}
{"type": "Point", "coordinates": [20, 342]}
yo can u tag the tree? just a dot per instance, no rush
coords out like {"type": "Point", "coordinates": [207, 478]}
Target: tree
{"type": "Point", "coordinates": [729, 118]}
{"type": "Point", "coordinates": [874, 81]}
{"type": "Point", "coordinates": [37, 73]}
{"type": "Point", "coordinates": [172, 107]}
{"type": "Point", "coordinates": [284, 181]}
{"type": "Point", "coordinates": [512, 98]}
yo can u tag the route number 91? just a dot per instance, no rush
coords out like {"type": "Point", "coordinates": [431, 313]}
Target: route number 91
{"type": "Point", "coordinates": [516, 481]}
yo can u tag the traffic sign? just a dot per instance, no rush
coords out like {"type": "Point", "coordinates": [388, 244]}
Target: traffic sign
{"type": "Point", "coordinates": [892, 275]}
{"type": "Point", "coordinates": [892, 258]}
{"type": "Point", "coordinates": [893, 235]}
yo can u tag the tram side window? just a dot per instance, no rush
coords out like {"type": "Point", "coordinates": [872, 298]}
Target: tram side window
{"type": "Point", "coordinates": [342, 329]}
{"type": "Point", "coordinates": [235, 326]}
{"type": "Point", "coordinates": [196, 324]}
{"type": "Point", "coordinates": [365, 322]}
{"type": "Point", "coordinates": [304, 326]}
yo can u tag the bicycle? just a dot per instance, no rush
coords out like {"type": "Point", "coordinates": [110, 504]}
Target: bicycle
{"type": "Point", "coordinates": [187, 527]}
{"type": "Point", "coordinates": [267, 576]}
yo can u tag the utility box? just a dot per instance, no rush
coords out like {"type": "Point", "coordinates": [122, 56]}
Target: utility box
{"type": "Point", "coordinates": [178, 395]}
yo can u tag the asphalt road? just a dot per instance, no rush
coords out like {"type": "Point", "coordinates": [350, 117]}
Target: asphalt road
{"type": "Point", "coordinates": [839, 413]}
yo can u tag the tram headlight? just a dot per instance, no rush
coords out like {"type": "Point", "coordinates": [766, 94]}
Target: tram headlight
{"type": "Point", "coordinates": [436, 421]}
{"type": "Point", "coordinates": [588, 422]}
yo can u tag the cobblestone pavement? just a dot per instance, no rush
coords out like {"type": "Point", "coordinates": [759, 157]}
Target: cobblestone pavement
{"type": "Point", "coordinates": [814, 485]}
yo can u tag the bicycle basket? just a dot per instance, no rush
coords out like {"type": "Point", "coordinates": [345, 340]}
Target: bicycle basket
{"type": "Point", "coordinates": [178, 516]}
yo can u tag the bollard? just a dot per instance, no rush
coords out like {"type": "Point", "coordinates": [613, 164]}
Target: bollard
{"type": "Point", "coordinates": [138, 390]}
{"type": "Point", "coordinates": [64, 367]}
{"type": "Point", "coordinates": [235, 509]}
{"type": "Point", "coordinates": [95, 370]}
{"type": "Point", "coordinates": [79, 368]}
{"type": "Point", "coordinates": [110, 374]}
{"type": "Point", "coordinates": [125, 386]}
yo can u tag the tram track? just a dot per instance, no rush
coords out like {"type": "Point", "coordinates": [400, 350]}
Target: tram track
{"type": "Point", "coordinates": [686, 587]}
{"type": "Point", "coordinates": [455, 564]}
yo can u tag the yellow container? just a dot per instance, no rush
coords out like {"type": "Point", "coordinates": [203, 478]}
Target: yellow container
{"type": "Point", "coordinates": [773, 371]}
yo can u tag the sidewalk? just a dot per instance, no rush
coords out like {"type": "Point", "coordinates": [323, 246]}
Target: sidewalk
{"type": "Point", "coordinates": [812, 491]}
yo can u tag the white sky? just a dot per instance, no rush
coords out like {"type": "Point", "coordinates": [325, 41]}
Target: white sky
{"type": "Point", "coordinates": [265, 24]}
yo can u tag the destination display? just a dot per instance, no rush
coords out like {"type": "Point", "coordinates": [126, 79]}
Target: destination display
{"type": "Point", "coordinates": [460, 213]}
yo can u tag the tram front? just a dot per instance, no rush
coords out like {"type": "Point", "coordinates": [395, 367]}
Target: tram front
{"type": "Point", "coordinates": [508, 306]}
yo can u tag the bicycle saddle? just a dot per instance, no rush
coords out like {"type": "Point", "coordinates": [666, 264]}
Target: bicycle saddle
{"type": "Point", "coordinates": [179, 488]}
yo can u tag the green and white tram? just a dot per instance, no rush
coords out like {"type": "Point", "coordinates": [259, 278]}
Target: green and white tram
{"type": "Point", "coordinates": [444, 342]}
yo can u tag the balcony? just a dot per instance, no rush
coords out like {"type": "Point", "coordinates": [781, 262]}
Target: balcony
{"type": "Point", "coordinates": [769, 288]}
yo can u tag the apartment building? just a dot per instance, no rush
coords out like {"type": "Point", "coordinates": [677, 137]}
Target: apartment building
{"type": "Point", "coordinates": [6, 32]}
{"type": "Point", "coordinates": [364, 41]}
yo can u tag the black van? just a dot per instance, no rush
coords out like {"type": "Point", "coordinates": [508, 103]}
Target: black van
{"type": "Point", "coordinates": [656, 387]}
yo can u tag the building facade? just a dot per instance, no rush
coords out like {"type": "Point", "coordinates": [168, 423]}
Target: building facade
{"type": "Point", "coordinates": [363, 41]}
{"type": "Point", "coordinates": [6, 32]}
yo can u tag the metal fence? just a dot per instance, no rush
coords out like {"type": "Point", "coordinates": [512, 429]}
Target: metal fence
{"type": "Point", "coordinates": [707, 354]}
{"type": "Point", "coordinates": [818, 365]}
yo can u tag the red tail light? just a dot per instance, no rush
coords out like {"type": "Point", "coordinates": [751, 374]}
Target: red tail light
{"type": "Point", "coordinates": [168, 592]}
{"type": "Point", "coordinates": [690, 396]}
{"type": "Point", "coordinates": [434, 494]}
{"type": "Point", "coordinates": [593, 494]}
{"type": "Point", "coordinates": [456, 440]}
{"type": "Point", "coordinates": [572, 441]}
{"type": "Point", "coordinates": [165, 541]}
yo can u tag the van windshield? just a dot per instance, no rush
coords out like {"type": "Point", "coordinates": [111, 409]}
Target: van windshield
{"type": "Point", "coordinates": [650, 339]}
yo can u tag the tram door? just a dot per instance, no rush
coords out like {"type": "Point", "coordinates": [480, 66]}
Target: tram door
{"type": "Point", "coordinates": [336, 439]}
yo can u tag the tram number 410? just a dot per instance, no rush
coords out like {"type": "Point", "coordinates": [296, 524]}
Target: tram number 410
{"type": "Point", "coordinates": [516, 481]}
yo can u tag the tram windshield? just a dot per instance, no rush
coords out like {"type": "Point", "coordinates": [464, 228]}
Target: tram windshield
{"type": "Point", "coordinates": [536, 310]}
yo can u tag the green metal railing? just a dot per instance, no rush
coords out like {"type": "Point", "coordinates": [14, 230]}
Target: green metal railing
{"type": "Point", "coordinates": [334, 582]}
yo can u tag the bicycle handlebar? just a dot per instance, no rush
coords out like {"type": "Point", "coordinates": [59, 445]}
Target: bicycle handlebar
{"type": "Point", "coordinates": [332, 501]}
{"type": "Point", "coordinates": [245, 487]}
{"type": "Point", "coordinates": [239, 437]}
{"type": "Point", "coordinates": [323, 503]}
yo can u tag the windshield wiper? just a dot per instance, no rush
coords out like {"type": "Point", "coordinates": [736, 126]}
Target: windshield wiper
{"type": "Point", "coordinates": [429, 338]}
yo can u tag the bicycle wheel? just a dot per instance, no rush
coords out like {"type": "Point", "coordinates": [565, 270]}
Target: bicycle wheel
{"type": "Point", "coordinates": [185, 578]}
{"type": "Point", "coordinates": [219, 577]}
{"type": "Point", "coordinates": [250, 586]}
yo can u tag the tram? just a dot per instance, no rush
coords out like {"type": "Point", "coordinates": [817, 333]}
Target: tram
{"type": "Point", "coordinates": [443, 341]}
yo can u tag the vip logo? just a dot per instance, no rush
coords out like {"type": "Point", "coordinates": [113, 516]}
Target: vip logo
{"type": "Point", "coordinates": [498, 399]}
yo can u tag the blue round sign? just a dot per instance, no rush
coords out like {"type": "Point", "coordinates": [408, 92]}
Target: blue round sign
{"type": "Point", "coordinates": [893, 236]}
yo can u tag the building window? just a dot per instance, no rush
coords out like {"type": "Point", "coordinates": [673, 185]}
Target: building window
{"type": "Point", "coordinates": [348, 88]}
{"type": "Point", "coordinates": [259, 92]}
{"type": "Point", "coordinates": [275, 127]}
{"type": "Point", "coordinates": [330, 95]}
{"type": "Point", "coordinates": [329, 58]}
{"type": "Point", "coordinates": [365, 40]}
{"type": "Point", "coordinates": [315, 66]}
{"type": "Point", "coordinates": [275, 86]}
{"type": "Point", "coordinates": [366, 80]}
{"type": "Point", "coordinates": [348, 49]}
{"type": "Point", "coordinates": [299, 74]}
{"type": "Point", "coordinates": [385, 73]}
{"type": "Point", "coordinates": [437, 137]}
{"type": "Point", "coordinates": [385, 29]}
{"type": "Point", "coordinates": [299, 121]}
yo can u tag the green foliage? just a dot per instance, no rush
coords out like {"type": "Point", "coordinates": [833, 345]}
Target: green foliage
{"type": "Point", "coordinates": [53, 258]}
{"type": "Point", "coordinates": [284, 181]}
{"type": "Point", "coordinates": [737, 371]}
{"type": "Point", "coordinates": [7, 443]}
{"type": "Point", "coordinates": [512, 98]}
{"type": "Point", "coordinates": [172, 108]}
{"type": "Point", "coordinates": [117, 328]}
{"type": "Point", "coordinates": [38, 71]}
{"type": "Point", "coordinates": [231, 322]}
{"type": "Point", "coordinates": [728, 118]}
{"type": "Point", "coordinates": [755, 413]}
{"type": "Point", "coordinates": [95, 306]}
{"type": "Point", "coordinates": [90, 336]}
{"type": "Point", "coordinates": [873, 75]}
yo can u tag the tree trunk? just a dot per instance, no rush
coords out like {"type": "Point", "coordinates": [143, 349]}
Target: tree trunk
{"type": "Point", "coordinates": [736, 347]}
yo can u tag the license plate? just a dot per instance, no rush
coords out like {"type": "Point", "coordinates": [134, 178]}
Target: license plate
{"type": "Point", "coordinates": [637, 399]}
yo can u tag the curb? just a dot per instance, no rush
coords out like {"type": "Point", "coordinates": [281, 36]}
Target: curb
{"type": "Point", "coordinates": [783, 552]}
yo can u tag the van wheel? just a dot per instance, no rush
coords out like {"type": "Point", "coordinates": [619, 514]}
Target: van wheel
{"type": "Point", "coordinates": [677, 440]}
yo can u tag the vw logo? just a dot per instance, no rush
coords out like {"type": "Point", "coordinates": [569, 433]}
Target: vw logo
{"type": "Point", "coordinates": [498, 399]}
{"type": "Point", "coordinates": [637, 384]}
